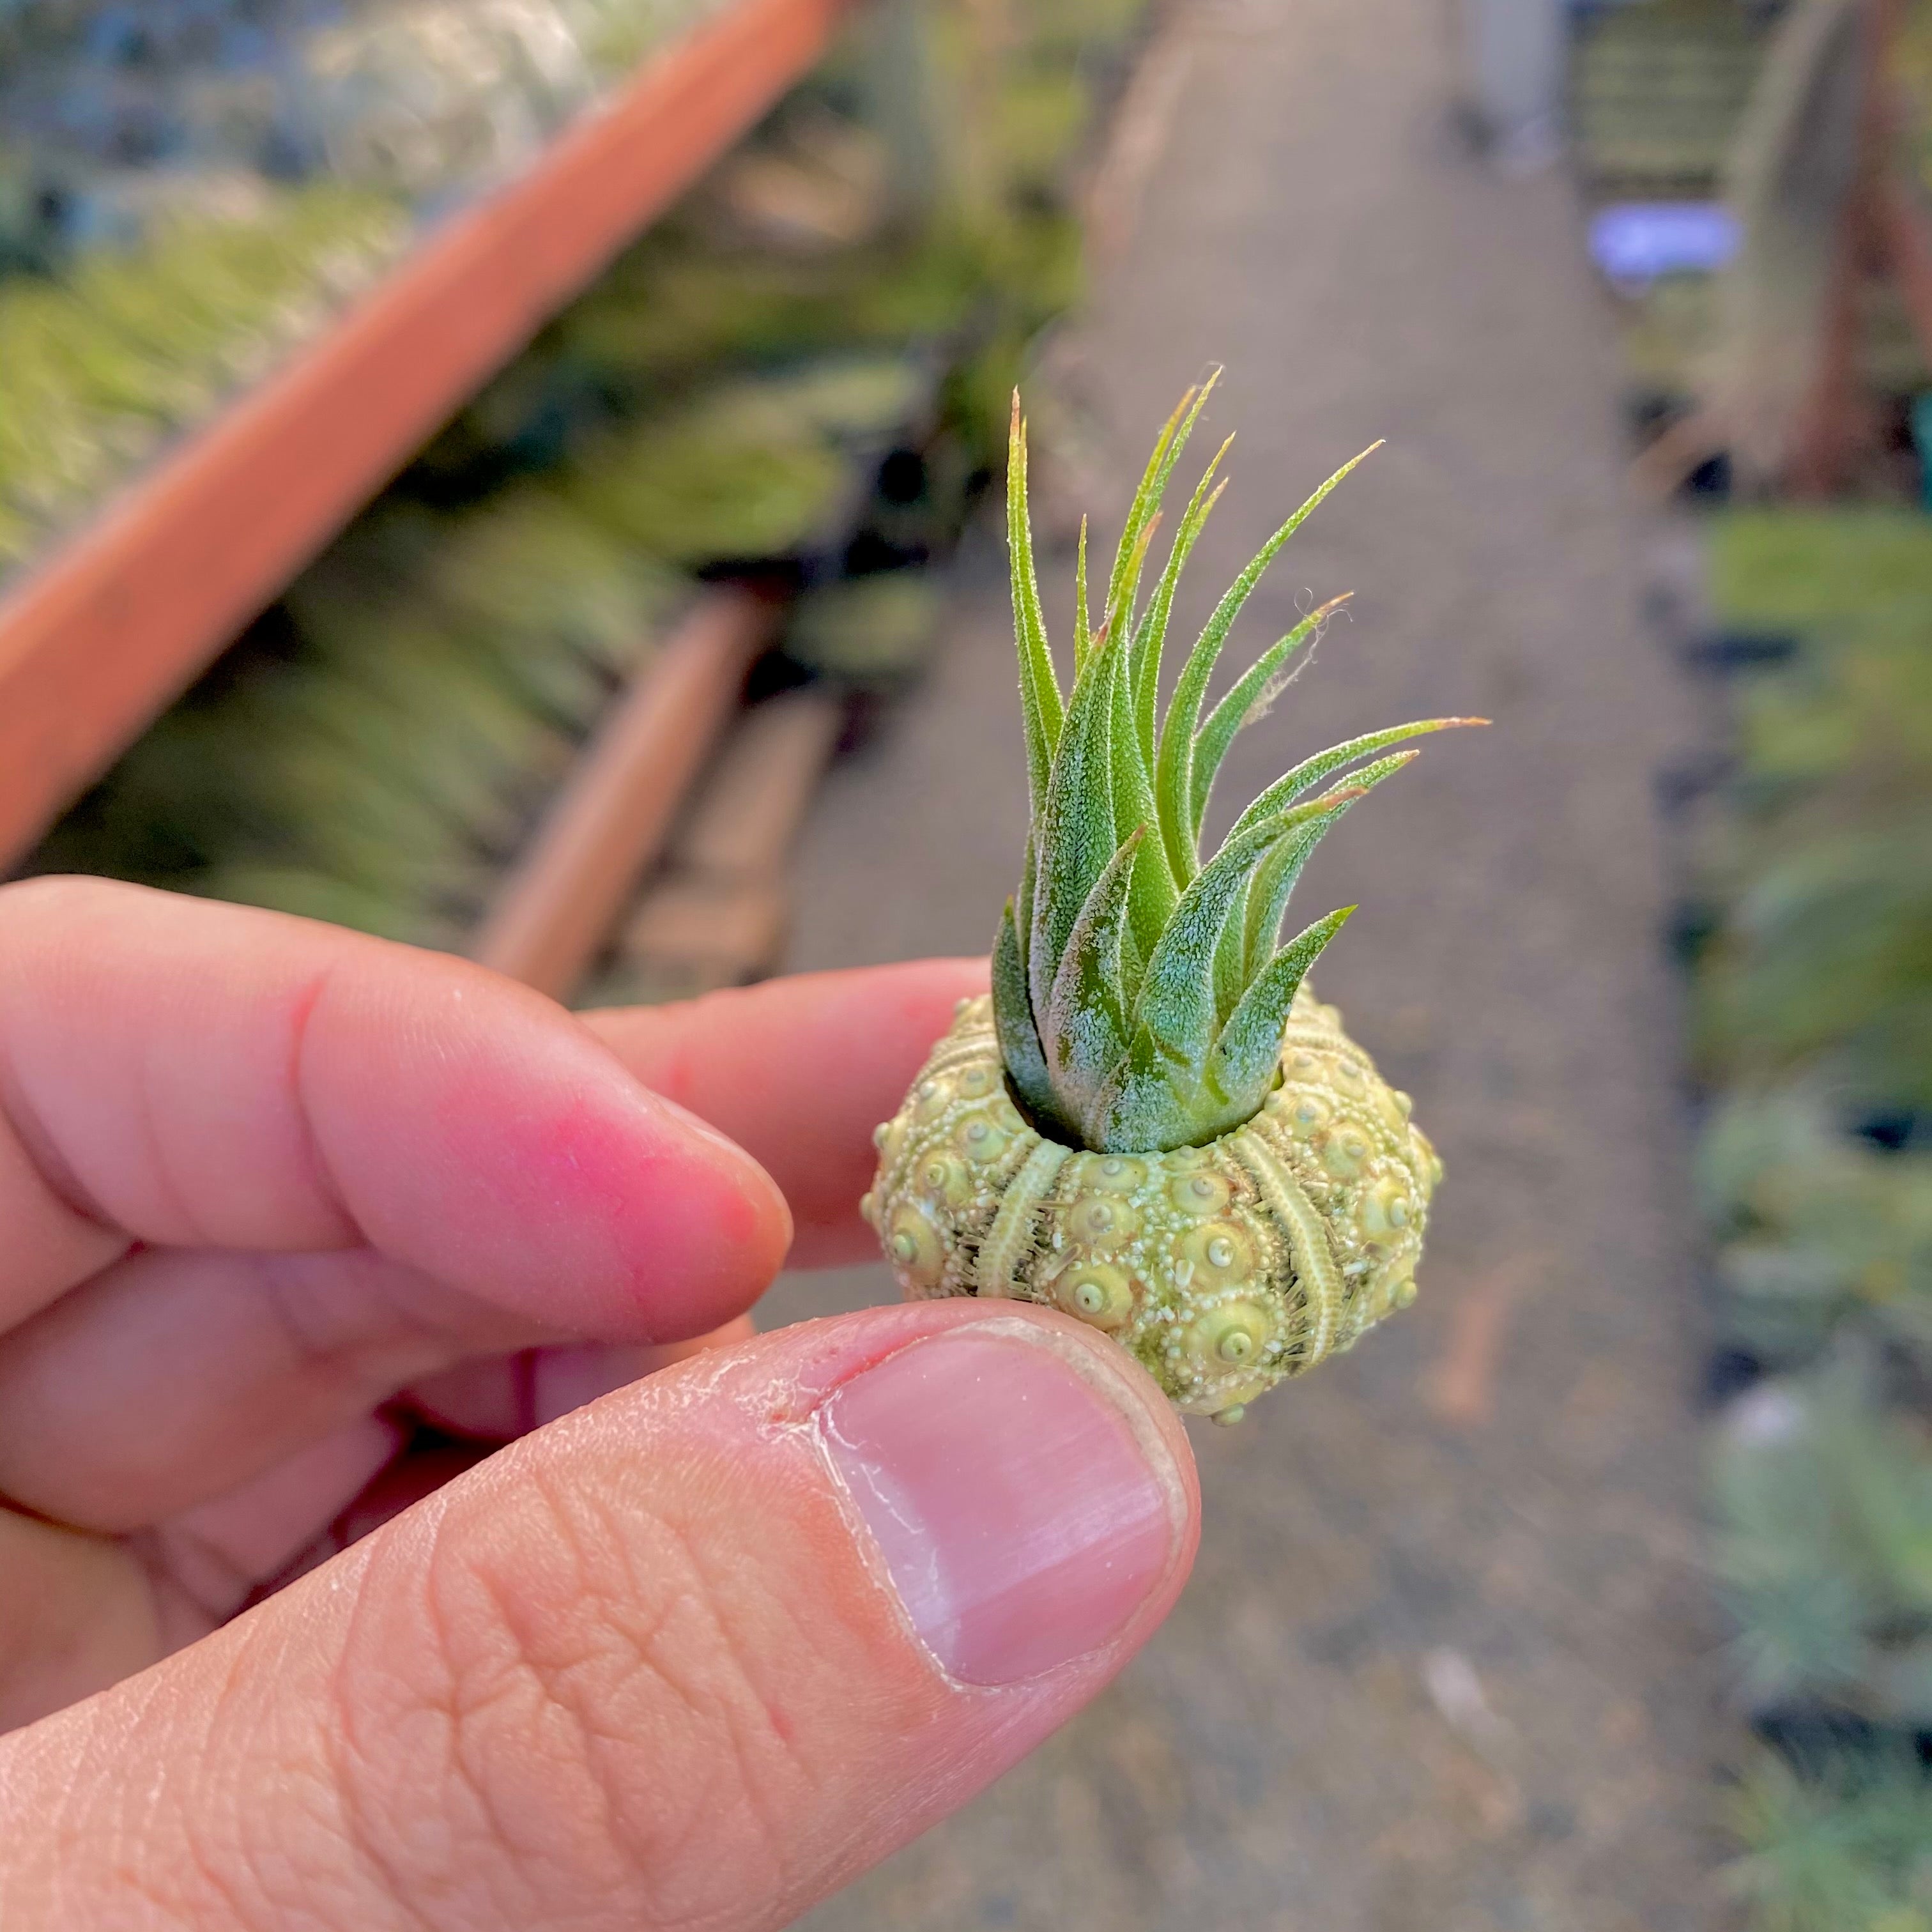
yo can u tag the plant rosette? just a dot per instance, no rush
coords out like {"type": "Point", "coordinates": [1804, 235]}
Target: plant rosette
{"type": "Point", "coordinates": [1151, 1123]}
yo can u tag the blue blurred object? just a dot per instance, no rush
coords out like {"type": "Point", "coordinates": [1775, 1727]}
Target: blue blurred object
{"type": "Point", "coordinates": [1637, 241]}
{"type": "Point", "coordinates": [1921, 445]}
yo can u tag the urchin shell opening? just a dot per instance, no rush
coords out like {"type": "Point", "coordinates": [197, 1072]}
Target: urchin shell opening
{"type": "Point", "coordinates": [1049, 1130]}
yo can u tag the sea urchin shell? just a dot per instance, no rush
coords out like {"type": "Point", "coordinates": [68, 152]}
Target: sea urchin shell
{"type": "Point", "coordinates": [1224, 1268]}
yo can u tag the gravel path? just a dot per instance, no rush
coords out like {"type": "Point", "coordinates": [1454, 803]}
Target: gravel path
{"type": "Point", "coordinates": [1446, 1664]}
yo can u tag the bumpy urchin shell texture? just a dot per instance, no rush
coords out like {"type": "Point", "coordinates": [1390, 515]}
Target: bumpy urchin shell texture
{"type": "Point", "coordinates": [1225, 1269]}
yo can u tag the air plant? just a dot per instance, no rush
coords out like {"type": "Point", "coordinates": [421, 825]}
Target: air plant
{"type": "Point", "coordinates": [1840, 1847]}
{"type": "Point", "coordinates": [1151, 1123]}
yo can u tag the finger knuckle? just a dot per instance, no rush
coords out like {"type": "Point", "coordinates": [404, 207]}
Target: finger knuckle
{"type": "Point", "coordinates": [594, 1705]}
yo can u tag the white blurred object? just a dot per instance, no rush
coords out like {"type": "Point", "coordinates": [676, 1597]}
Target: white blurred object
{"type": "Point", "coordinates": [1457, 1694]}
{"type": "Point", "coordinates": [446, 95]}
{"type": "Point", "coordinates": [1513, 53]}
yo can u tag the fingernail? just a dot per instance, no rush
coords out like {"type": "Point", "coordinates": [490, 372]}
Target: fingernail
{"type": "Point", "coordinates": [1022, 1518]}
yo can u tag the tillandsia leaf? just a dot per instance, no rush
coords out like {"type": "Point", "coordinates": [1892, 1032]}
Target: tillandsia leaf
{"type": "Point", "coordinates": [1311, 772]}
{"type": "Point", "coordinates": [1247, 700]}
{"type": "Point", "coordinates": [1023, 903]}
{"type": "Point", "coordinates": [1013, 1022]}
{"type": "Point", "coordinates": [1130, 555]}
{"type": "Point", "coordinates": [1086, 1017]}
{"type": "Point", "coordinates": [1264, 899]}
{"type": "Point", "coordinates": [1155, 891]}
{"type": "Point", "coordinates": [1280, 872]}
{"type": "Point", "coordinates": [1075, 831]}
{"type": "Point", "coordinates": [1175, 763]}
{"type": "Point", "coordinates": [1151, 636]}
{"type": "Point", "coordinates": [1109, 627]}
{"type": "Point", "coordinates": [1231, 950]}
{"type": "Point", "coordinates": [1242, 1064]}
{"type": "Point", "coordinates": [1083, 636]}
{"type": "Point", "coordinates": [1249, 937]}
{"type": "Point", "coordinates": [1040, 688]}
{"type": "Point", "coordinates": [1174, 1017]}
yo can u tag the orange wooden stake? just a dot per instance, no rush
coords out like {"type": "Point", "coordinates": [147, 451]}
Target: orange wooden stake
{"type": "Point", "coordinates": [611, 817]}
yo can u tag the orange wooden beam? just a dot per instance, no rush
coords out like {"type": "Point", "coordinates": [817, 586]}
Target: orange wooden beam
{"type": "Point", "coordinates": [1835, 418]}
{"type": "Point", "coordinates": [611, 819]}
{"type": "Point", "coordinates": [1906, 227]}
{"type": "Point", "coordinates": [101, 638]}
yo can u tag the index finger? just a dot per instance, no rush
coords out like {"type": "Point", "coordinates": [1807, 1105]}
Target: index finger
{"type": "Point", "coordinates": [799, 1071]}
{"type": "Point", "coordinates": [192, 1075]}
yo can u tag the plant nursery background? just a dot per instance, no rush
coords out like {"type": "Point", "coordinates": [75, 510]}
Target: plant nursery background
{"type": "Point", "coordinates": [548, 445]}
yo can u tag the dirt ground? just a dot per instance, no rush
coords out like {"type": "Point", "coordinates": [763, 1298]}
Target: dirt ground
{"type": "Point", "coordinates": [1446, 1662]}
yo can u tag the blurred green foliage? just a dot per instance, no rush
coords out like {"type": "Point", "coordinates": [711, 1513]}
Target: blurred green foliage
{"type": "Point", "coordinates": [1824, 1499]}
{"type": "Point", "coordinates": [1803, 567]}
{"type": "Point", "coordinates": [1817, 1227]}
{"type": "Point", "coordinates": [376, 755]}
{"type": "Point", "coordinates": [1812, 1026]}
{"type": "Point", "coordinates": [1821, 860]}
{"type": "Point", "coordinates": [800, 373]}
{"type": "Point", "coordinates": [1847, 1851]}
{"type": "Point", "coordinates": [758, 467]}
{"type": "Point", "coordinates": [1657, 91]}
{"type": "Point", "coordinates": [871, 631]}
{"type": "Point", "coordinates": [98, 369]}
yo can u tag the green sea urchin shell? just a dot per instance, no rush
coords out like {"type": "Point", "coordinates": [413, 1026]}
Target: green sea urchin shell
{"type": "Point", "coordinates": [1225, 1268]}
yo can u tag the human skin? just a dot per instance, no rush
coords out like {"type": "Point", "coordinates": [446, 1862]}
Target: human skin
{"type": "Point", "coordinates": [702, 1624]}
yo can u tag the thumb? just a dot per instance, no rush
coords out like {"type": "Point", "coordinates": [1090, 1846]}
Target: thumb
{"type": "Point", "coordinates": [694, 1656]}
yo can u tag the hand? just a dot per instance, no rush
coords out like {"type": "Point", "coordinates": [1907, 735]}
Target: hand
{"type": "Point", "coordinates": [694, 1655]}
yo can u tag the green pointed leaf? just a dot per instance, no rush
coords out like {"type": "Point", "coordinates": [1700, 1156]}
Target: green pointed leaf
{"type": "Point", "coordinates": [1076, 829]}
{"type": "Point", "coordinates": [1013, 1022]}
{"type": "Point", "coordinates": [1174, 763]}
{"type": "Point", "coordinates": [1311, 772]}
{"type": "Point", "coordinates": [1155, 890]}
{"type": "Point", "coordinates": [1133, 960]}
{"type": "Point", "coordinates": [1083, 636]}
{"type": "Point", "coordinates": [1277, 876]}
{"type": "Point", "coordinates": [1131, 552]}
{"type": "Point", "coordinates": [1086, 1030]}
{"type": "Point", "coordinates": [1230, 951]}
{"type": "Point", "coordinates": [1175, 1018]}
{"type": "Point", "coordinates": [1250, 934]}
{"type": "Point", "coordinates": [1140, 512]}
{"type": "Point", "coordinates": [1023, 912]}
{"type": "Point", "coordinates": [1040, 687]}
{"type": "Point", "coordinates": [1108, 628]}
{"type": "Point", "coordinates": [1242, 1064]}
{"type": "Point", "coordinates": [1138, 1110]}
{"type": "Point", "coordinates": [1151, 634]}
{"type": "Point", "coordinates": [1248, 700]}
